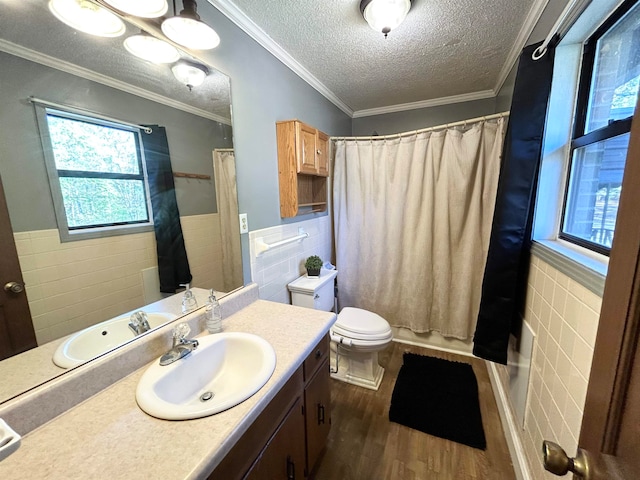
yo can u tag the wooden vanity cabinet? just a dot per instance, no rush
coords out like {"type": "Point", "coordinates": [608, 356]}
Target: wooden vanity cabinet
{"type": "Point", "coordinates": [303, 168]}
{"type": "Point", "coordinates": [317, 402]}
{"type": "Point", "coordinates": [284, 455]}
{"type": "Point", "coordinates": [286, 440]}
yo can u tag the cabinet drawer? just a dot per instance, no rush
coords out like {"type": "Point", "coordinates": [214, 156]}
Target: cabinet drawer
{"type": "Point", "coordinates": [318, 355]}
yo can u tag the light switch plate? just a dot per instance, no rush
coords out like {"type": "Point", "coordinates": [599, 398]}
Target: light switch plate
{"type": "Point", "coordinates": [244, 223]}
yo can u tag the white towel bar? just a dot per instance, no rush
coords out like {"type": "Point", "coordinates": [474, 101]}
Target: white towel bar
{"type": "Point", "coordinates": [262, 246]}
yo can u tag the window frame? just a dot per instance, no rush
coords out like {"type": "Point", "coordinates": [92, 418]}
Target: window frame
{"type": "Point", "coordinates": [66, 232]}
{"type": "Point", "coordinates": [581, 139]}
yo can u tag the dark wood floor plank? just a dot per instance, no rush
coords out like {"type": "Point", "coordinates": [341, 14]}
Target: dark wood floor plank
{"type": "Point", "coordinates": [365, 445]}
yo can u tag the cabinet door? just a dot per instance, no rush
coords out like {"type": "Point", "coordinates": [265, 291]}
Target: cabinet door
{"type": "Point", "coordinates": [322, 154]}
{"type": "Point", "coordinates": [306, 138]}
{"type": "Point", "coordinates": [317, 396]}
{"type": "Point", "coordinates": [283, 457]}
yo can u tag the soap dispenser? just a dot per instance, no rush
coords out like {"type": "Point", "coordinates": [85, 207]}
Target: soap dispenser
{"type": "Point", "coordinates": [213, 316]}
{"type": "Point", "coordinates": [189, 302]}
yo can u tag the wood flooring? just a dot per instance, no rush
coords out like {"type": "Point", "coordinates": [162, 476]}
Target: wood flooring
{"type": "Point", "coordinates": [364, 445]}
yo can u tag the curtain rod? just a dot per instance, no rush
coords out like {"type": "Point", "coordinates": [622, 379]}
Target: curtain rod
{"type": "Point", "coordinates": [80, 111]}
{"type": "Point", "coordinates": [428, 129]}
{"type": "Point", "coordinates": [571, 12]}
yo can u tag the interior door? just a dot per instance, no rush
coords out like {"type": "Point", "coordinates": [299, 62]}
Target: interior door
{"type": "Point", "coordinates": [16, 327]}
{"type": "Point", "coordinates": [609, 444]}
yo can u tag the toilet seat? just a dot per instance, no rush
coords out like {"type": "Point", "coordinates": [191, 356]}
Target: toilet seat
{"type": "Point", "coordinates": [359, 326]}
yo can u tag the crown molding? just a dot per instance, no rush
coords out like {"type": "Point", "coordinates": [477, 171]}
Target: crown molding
{"type": "Point", "coordinates": [434, 102]}
{"type": "Point", "coordinates": [525, 31]}
{"type": "Point", "coordinates": [64, 66]}
{"type": "Point", "coordinates": [237, 16]}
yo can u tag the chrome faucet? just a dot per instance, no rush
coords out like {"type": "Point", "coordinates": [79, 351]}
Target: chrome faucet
{"type": "Point", "coordinates": [139, 323]}
{"type": "Point", "coordinates": [181, 346]}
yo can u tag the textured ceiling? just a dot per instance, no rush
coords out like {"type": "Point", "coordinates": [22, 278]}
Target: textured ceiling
{"type": "Point", "coordinates": [29, 23]}
{"type": "Point", "coordinates": [443, 48]}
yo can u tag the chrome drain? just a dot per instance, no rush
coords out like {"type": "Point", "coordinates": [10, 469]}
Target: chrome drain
{"type": "Point", "coordinates": [206, 396]}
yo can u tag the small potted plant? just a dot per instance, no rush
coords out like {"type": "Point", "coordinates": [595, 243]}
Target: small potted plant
{"type": "Point", "coordinates": [313, 265]}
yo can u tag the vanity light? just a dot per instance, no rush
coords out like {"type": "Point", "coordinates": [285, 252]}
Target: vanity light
{"type": "Point", "coordinates": [151, 49]}
{"type": "Point", "coordinates": [190, 73]}
{"type": "Point", "coordinates": [141, 8]}
{"type": "Point", "coordinates": [384, 15]}
{"type": "Point", "coordinates": [188, 30]}
{"type": "Point", "coordinates": [87, 17]}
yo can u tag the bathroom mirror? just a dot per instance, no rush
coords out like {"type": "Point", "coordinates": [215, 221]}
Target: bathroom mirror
{"type": "Point", "coordinates": [75, 284]}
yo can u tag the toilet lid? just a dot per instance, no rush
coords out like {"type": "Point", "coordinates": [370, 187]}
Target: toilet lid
{"type": "Point", "coordinates": [361, 324]}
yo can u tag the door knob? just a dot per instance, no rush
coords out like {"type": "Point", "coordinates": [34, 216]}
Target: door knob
{"type": "Point", "coordinates": [557, 461]}
{"type": "Point", "coordinates": [14, 287]}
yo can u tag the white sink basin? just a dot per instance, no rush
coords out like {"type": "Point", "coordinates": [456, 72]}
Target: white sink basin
{"type": "Point", "coordinates": [100, 338]}
{"type": "Point", "coordinates": [231, 366]}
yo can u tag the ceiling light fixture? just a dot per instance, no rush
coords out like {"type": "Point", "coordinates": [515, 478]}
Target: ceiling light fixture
{"type": "Point", "coordinates": [151, 48]}
{"type": "Point", "coordinates": [384, 15]}
{"type": "Point", "coordinates": [141, 8]}
{"type": "Point", "coordinates": [188, 30]}
{"type": "Point", "coordinates": [87, 17]}
{"type": "Point", "coordinates": [190, 73]}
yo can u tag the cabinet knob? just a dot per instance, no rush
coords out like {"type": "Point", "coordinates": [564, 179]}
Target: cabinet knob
{"type": "Point", "coordinates": [316, 296]}
{"type": "Point", "coordinates": [319, 152]}
{"type": "Point", "coordinates": [318, 354]}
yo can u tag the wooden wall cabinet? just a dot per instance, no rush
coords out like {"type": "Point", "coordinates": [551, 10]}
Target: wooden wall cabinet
{"type": "Point", "coordinates": [285, 442]}
{"type": "Point", "coordinates": [303, 168]}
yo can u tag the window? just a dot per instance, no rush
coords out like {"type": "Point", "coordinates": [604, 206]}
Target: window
{"type": "Point", "coordinates": [97, 175]}
{"type": "Point", "coordinates": [607, 97]}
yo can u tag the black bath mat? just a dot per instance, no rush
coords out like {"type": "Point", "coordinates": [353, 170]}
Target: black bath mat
{"type": "Point", "coordinates": [440, 398]}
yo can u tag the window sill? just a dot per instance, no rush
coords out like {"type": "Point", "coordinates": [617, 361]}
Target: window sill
{"type": "Point", "coordinates": [587, 268]}
{"type": "Point", "coordinates": [104, 232]}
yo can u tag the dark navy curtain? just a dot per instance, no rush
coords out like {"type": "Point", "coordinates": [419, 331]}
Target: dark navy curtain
{"type": "Point", "coordinates": [173, 266]}
{"type": "Point", "coordinates": [505, 275]}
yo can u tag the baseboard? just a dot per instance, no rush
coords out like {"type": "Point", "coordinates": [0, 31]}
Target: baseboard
{"type": "Point", "coordinates": [432, 347]}
{"type": "Point", "coordinates": [509, 426]}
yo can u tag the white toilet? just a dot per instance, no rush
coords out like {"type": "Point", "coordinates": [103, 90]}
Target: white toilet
{"type": "Point", "coordinates": [356, 337]}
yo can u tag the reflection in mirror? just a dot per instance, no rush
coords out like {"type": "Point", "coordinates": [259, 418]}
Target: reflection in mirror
{"type": "Point", "coordinates": [73, 285]}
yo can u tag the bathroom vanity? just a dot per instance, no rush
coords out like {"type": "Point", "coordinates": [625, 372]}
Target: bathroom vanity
{"type": "Point", "coordinates": [278, 432]}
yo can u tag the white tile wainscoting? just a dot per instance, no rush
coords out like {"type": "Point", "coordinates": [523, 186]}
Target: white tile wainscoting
{"type": "Point", "coordinates": [564, 317]}
{"type": "Point", "coordinates": [73, 285]}
{"type": "Point", "coordinates": [274, 269]}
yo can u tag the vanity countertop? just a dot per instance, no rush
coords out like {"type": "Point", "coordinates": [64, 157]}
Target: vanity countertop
{"type": "Point", "coordinates": [108, 436]}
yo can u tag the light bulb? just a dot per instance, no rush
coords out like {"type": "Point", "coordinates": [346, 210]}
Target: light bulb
{"type": "Point", "coordinates": [87, 17]}
{"type": "Point", "coordinates": [189, 73]}
{"type": "Point", "coordinates": [151, 49]}
{"type": "Point", "coordinates": [190, 33]}
{"type": "Point", "coordinates": [385, 15]}
{"type": "Point", "coordinates": [141, 8]}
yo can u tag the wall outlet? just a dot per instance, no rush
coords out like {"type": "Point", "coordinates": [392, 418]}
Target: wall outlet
{"type": "Point", "coordinates": [244, 223]}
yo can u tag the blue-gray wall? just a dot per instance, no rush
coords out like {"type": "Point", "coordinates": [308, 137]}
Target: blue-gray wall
{"type": "Point", "coordinates": [422, 118]}
{"type": "Point", "coordinates": [263, 91]}
{"type": "Point", "coordinates": [191, 138]}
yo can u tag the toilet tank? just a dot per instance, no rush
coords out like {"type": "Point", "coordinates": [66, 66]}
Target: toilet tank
{"type": "Point", "coordinates": [316, 293]}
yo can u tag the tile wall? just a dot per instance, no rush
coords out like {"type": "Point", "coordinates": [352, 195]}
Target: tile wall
{"type": "Point", "coordinates": [274, 269]}
{"type": "Point", "coordinates": [564, 316]}
{"type": "Point", "coordinates": [73, 285]}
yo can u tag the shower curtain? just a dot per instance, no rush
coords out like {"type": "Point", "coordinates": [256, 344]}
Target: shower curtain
{"type": "Point", "coordinates": [224, 166]}
{"type": "Point", "coordinates": [412, 222]}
